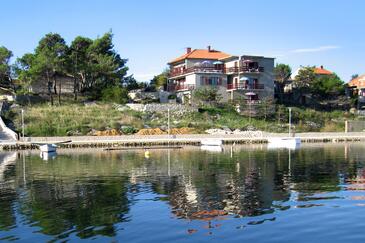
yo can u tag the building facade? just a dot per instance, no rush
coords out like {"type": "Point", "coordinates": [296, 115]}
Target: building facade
{"type": "Point", "coordinates": [235, 77]}
{"type": "Point", "coordinates": [356, 88]}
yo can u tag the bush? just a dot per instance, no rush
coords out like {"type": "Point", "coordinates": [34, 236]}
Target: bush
{"type": "Point", "coordinates": [115, 94]}
{"type": "Point", "coordinates": [128, 130]}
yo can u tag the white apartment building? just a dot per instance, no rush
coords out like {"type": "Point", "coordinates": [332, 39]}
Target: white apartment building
{"type": "Point", "coordinates": [248, 77]}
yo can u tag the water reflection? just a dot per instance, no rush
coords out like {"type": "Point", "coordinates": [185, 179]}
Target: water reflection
{"type": "Point", "coordinates": [85, 194]}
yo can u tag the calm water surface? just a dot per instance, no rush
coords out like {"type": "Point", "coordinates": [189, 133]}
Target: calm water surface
{"type": "Point", "coordinates": [243, 194]}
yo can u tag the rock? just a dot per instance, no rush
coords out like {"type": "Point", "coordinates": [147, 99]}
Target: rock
{"type": "Point", "coordinates": [13, 106]}
{"type": "Point", "coordinates": [74, 133]}
{"type": "Point", "coordinates": [121, 107]}
{"type": "Point", "coordinates": [216, 131]}
{"type": "Point", "coordinates": [227, 129]}
{"type": "Point", "coordinates": [163, 127]}
{"type": "Point", "coordinates": [90, 103]}
{"type": "Point", "coordinates": [91, 133]}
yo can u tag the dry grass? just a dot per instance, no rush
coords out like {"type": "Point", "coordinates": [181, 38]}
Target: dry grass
{"type": "Point", "coordinates": [74, 119]}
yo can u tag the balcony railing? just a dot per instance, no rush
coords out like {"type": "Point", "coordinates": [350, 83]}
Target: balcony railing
{"type": "Point", "coordinates": [244, 70]}
{"type": "Point", "coordinates": [245, 86]}
{"type": "Point", "coordinates": [180, 87]}
{"type": "Point", "coordinates": [196, 69]}
{"type": "Point", "coordinates": [216, 70]}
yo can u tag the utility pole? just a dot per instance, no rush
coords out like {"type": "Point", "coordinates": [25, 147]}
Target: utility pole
{"type": "Point", "coordinates": [168, 125]}
{"type": "Point", "coordinates": [289, 121]}
{"type": "Point", "coordinates": [23, 124]}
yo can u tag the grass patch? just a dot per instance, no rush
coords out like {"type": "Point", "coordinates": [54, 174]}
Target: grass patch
{"type": "Point", "coordinates": [79, 119]}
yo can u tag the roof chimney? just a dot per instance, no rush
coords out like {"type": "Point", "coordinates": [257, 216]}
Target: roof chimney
{"type": "Point", "coordinates": [209, 48]}
{"type": "Point", "coordinates": [188, 50]}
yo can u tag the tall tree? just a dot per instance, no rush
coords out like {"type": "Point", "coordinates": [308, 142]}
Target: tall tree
{"type": "Point", "coordinates": [282, 74]}
{"type": "Point", "coordinates": [79, 62]}
{"type": "Point", "coordinates": [5, 68]}
{"type": "Point", "coordinates": [305, 78]}
{"type": "Point", "coordinates": [103, 66]}
{"type": "Point", "coordinates": [50, 59]}
{"type": "Point", "coordinates": [25, 73]}
{"type": "Point", "coordinates": [108, 67]}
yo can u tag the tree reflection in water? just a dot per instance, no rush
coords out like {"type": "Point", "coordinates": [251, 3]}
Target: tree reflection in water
{"type": "Point", "coordinates": [90, 194]}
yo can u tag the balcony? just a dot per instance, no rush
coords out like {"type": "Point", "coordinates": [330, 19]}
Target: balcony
{"type": "Point", "coordinates": [180, 87]}
{"type": "Point", "coordinates": [175, 73]}
{"type": "Point", "coordinates": [244, 70]}
{"type": "Point", "coordinates": [245, 86]}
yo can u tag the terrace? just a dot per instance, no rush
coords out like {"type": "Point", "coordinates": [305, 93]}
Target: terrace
{"type": "Point", "coordinates": [245, 86]}
{"type": "Point", "coordinates": [197, 69]}
{"type": "Point", "coordinates": [214, 69]}
{"type": "Point", "coordinates": [244, 70]}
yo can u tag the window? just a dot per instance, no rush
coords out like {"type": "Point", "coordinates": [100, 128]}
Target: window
{"type": "Point", "coordinates": [214, 81]}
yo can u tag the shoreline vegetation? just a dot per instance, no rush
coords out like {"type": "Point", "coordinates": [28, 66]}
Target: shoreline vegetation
{"type": "Point", "coordinates": [101, 118]}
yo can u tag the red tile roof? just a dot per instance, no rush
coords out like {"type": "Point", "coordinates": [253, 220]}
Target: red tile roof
{"type": "Point", "coordinates": [322, 71]}
{"type": "Point", "coordinates": [358, 82]}
{"type": "Point", "coordinates": [202, 54]}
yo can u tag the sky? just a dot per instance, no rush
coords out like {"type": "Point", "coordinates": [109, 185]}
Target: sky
{"type": "Point", "coordinates": [149, 33]}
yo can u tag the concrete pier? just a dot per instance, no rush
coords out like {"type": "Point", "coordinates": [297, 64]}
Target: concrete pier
{"type": "Point", "coordinates": [163, 140]}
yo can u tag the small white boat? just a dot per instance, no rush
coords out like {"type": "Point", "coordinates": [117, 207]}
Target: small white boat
{"type": "Point", "coordinates": [211, 142]}
{"type": "Point", "coordinates": [48, 155]}
{"type": "Point", "coordinates": [48, 148]}
{"type": "Point", "coordinates": [284, 142]}
{"type": "Point", "coordinates": [211, 148]}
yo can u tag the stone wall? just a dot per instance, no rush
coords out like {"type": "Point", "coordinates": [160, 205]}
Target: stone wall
{"type": "Point", "coordinates": [156, 107]}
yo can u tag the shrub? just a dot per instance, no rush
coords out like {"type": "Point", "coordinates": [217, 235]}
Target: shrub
{"type": "Point", "coordinates": [115, 94]}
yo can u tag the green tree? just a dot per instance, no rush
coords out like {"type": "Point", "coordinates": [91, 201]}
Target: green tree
{"type": "Point", "coordinates": [115, 94]}
{"type": "Point", "coordinates": [161, 79]}
{"type": "Point", "coordinates": [131, 83]}
{"type": "Point", "coordinates": [305, 79]}
{"type": "Point", "coordinates": [282, 74]}
{"type": "Point", "coordinates": [207, 95]}
{"type": "Point", "coordinates": [5, 68]}
{"type": "Point", "coordinates": [328, 85]}
{"type": "Point", "coordinates": [80, 64]}
{"type": "Point", "coordinates": [50, 61]}
{"type": "Point", "coordinates": [105, 66]}
{"type": "Point", "coordinates": [25, 74]}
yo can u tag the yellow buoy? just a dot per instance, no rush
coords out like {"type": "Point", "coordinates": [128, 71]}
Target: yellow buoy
{"type": "Point", "coordinates": [147, 154]}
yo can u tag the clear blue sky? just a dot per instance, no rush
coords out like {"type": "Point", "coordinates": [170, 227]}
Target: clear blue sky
{"type": "Point", "coordinates": [151, 32]}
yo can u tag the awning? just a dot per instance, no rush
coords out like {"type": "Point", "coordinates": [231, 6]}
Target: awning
{"type": "Point", "coordinates": [243, 78]}
{"type": "Point", "coordinates": [206, 62]}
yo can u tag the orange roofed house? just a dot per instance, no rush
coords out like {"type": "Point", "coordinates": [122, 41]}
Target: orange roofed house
{"type": "Point", "coordinates": [320, 71]}
{"type": "Point", "coordinates": [249, 77]}
{"type": "Point", "coordinates": [357, 86]}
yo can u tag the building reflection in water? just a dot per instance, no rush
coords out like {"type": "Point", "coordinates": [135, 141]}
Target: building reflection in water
{"type": "Point", "coordinates": [91, 193]}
